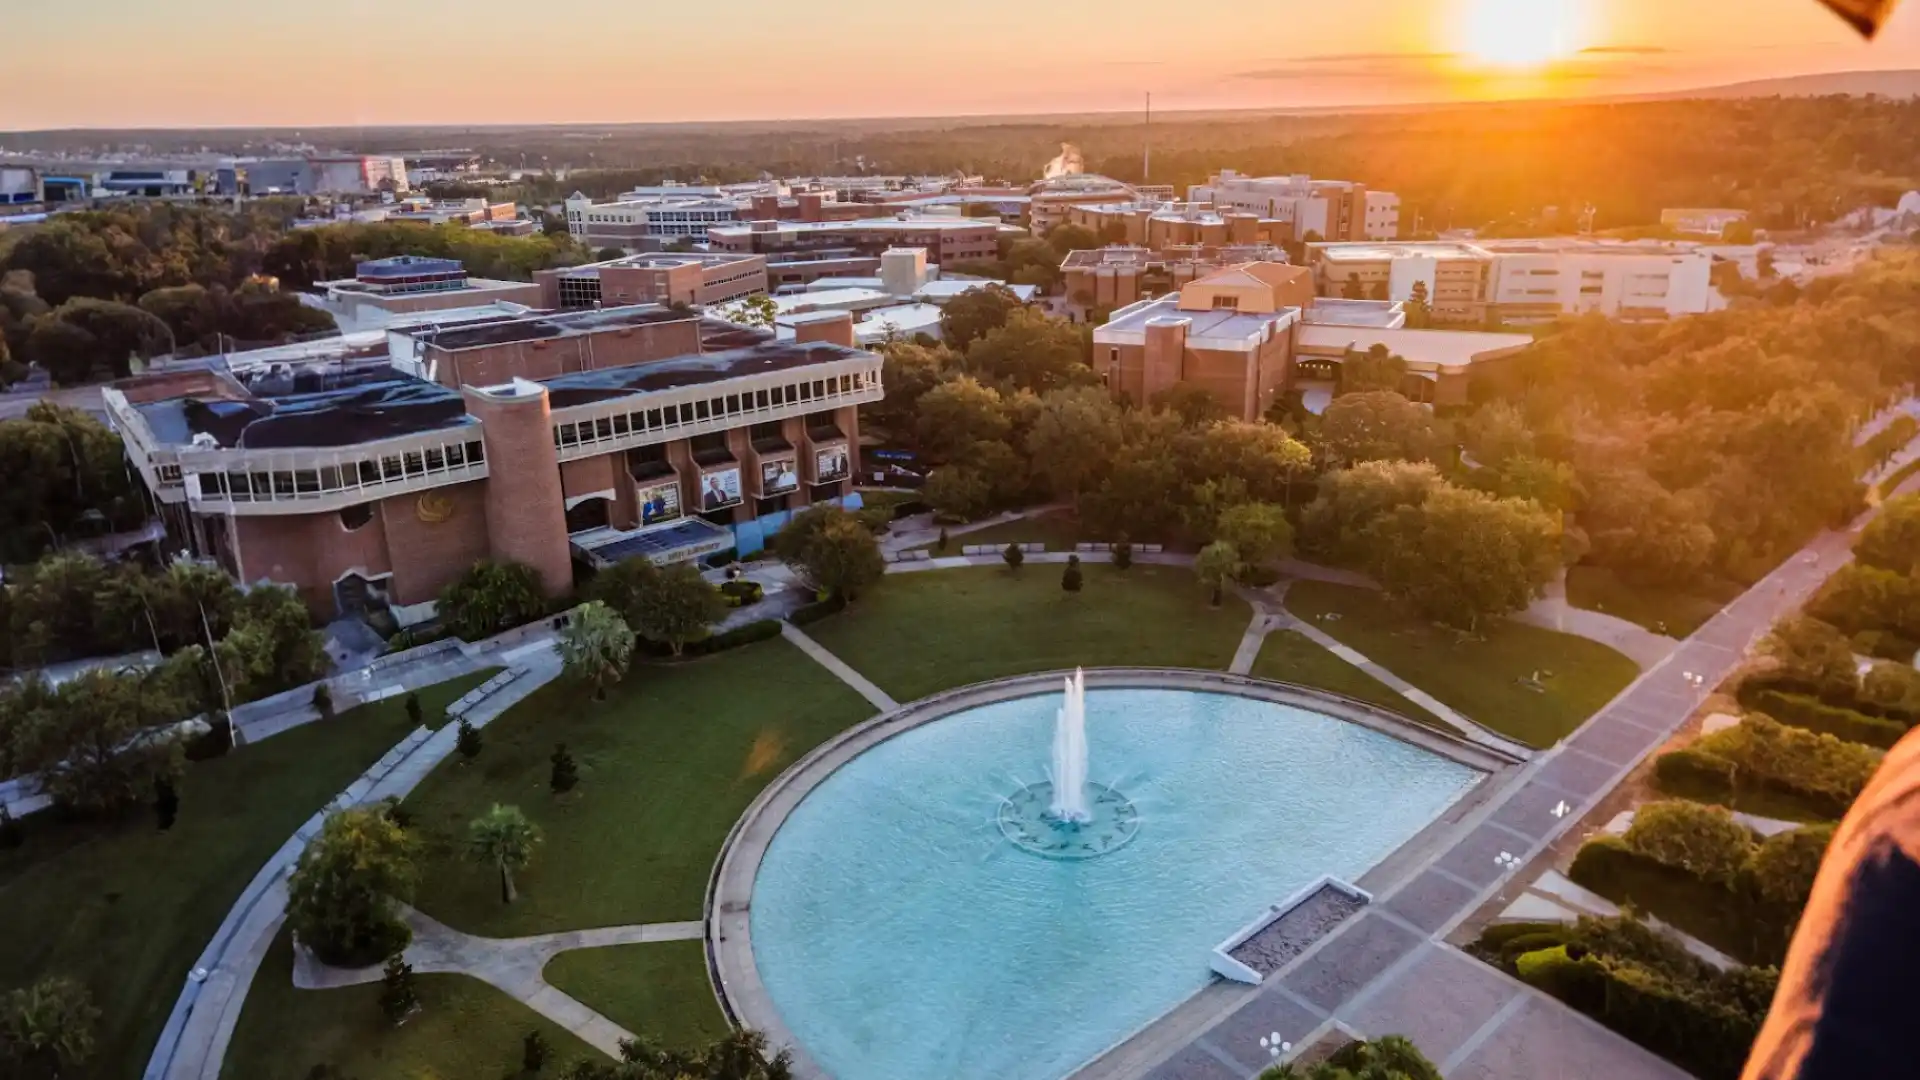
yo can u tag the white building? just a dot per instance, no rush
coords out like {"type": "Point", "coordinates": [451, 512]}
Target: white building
{"type": "Point", "coordinates": [1337, 210]}
{"type": "Point", "coordinates": [651, 221]}
{"type": "Point", "coordinates": [1522, 280]}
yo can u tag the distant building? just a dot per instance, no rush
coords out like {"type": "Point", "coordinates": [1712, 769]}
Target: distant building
{"type": "Point", "coordinates": [20, 186]}
{"type": "Point", "coordinates": [551, 440]}
{"type": "Point", "coordinates": [659, 278]}
{"type": "Point", "coordinates": [326, 174]}
{"type": "Point", "coordinates": [1051, 202]}
{"type": "Point", "coordinates": [1694, 221]}
{"type": "Point", "coordinates": [407, 284]}
{"type": "Point", "coordinates": [458, 212]}
{"type": "Point", "coordinates": [1163, 225]}
{"type": "Point", "coordinates": [1115, 276]}
{"type": "Point", "coordinates": [1249, 333]}
{"type": "Point", "coordinates": [946, 240]}
{"type": "Point", "coordinates": [1336, 210]}
{"type": "Point", "coordinates": [1522, 280]}
{"type": "Point", "coordinates": [647, 223]}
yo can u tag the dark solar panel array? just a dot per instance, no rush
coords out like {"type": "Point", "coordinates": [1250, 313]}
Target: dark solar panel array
{"type": "Point", "coordinates": [583, 387]}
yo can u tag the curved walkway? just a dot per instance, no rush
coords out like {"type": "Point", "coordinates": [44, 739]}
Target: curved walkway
{"type": "Point", "coordinates": [515, 966]}
{"type": "Point", "coordinates": [193, 1044]}
{"type": "Point", "coordinates": [729, 921]}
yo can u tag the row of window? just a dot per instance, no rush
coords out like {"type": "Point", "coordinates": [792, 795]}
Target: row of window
{"type": "Point", "coordinates": [660, 418]}
{"type": "Point", "coordinates": [392, 469]}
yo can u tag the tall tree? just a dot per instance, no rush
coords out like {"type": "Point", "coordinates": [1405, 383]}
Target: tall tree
{"type": "Point", "coordinates": [341, 895]}
{"type": "Point", "coordinates": [831, 550]}
{"type": "Point", "coordinates": [1376, 369]}
{"type": "Point", "coordinates": [1463, 557]}
{"type": "Point", "coordinates": [1259, 533]}
{"type": "Point", "coordinates": [975, 313]}
{"type": "Point", "coordinates": [1074, 439]}
{"type": "Point", "coordinates": [1374, 426]}
{"type": "Point", "coordinates": [1033, 351]}
{"type": "Point", "coordinates": [596, 645]}
{"type": "Point", "coordinates": [958, 413]}
{"type": "Point", "coordinates": [489, 597]}
{"type": "Point", "coordinates": [671, 604]}
{"type": "Point", "coordinates": [504, 839]}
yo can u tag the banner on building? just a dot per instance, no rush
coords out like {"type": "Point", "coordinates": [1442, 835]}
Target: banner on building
{"type": "Point", "coordinates": [660, 502]}
{"type": "Point", "coordinates": [720, 489]}
{"type": "Point", "coordinates": [830, 465]}
{"type": "Point", "coordinates": [778, 477]}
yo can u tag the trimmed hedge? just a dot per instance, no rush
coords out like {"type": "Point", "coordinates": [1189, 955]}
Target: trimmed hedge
{"type": "Point", "coordinates": [1804, 711]}
{"type": "Point", "coordinates": [1700, 840]}
{"type": "Point", "coordinates": [1684, 770]}
{"type": "Point", "coordinates": [714, 643]}
{"type": "Point", "coordinates": [1645, 986]}
{"type": "Point", "coordinates": [740, 592]}
{"type": "Point", "coordinates": [813, 613]}
{"type": "Point", "coordinates": [1784, 866]}
{"type": "Point", "coordinates": [1827, 773]}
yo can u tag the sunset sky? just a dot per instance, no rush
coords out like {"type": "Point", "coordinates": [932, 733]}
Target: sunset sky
{"type": "Point", "coordinates": [194, 63]}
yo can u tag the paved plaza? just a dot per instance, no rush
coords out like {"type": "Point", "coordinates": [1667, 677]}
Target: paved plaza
{"type": "Point", "coordinates": [1390, 970]}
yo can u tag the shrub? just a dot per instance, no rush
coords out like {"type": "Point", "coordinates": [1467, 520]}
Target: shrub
{"type": "Point", "coordinates": [814, 612]}
{"type": "Point", "coordinates": [413, 708]}
{"type": "Point", "coordinates": [1560, 974]}
{"type": "Point", "coordinates": [1014, 556]}
{"type": "Point", "coordinates": [565, 773]}
{"type": "Point", "coordinates": [1688, 771]}
{"type": "Point", "coordinates": [1497, 936]}
{"type": "Point", "coordinates": [467, 740]}
{"type": "Point", "coordinates": [1784, 866]}
{"type": "Point", "coordinates": [1602, 862]}
{"type": "Point", "coordinates": [1810, 713]}
{"type": "Point", "coordinates": [759, 630]}
{"type": "Point", "coordinates": [398, 998]}
{"type": "Point", "coordinates": [217, 740]}
{"type": "Point", "coordinates": [1122, 555]}
{"type": "Point", "coordinates": [1704, 841]}
{"type": "Point", "coordinates": [323, 700]}
{"type": "Point", "coordinates": [1885, 644]}
{"type": "Point", "coordinates": [1071, 578]}
{"type": "Point", "coordinates": [489, 597]}
{"type": "Point", "coordinates": [741, 592]}
{"type": "Point", "coordinates": [1827, 770]}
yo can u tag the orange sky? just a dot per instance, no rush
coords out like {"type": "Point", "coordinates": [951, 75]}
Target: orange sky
{"type": "Point", "coordinates": [190, 63]}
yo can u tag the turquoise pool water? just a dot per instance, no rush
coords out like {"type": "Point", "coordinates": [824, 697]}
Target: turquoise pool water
{"type": "Point", "coordinates": [902, 937]}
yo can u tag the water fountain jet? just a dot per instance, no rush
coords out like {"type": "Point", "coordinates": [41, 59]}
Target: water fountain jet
{"type": "Point", "coordinates": [1070, 755]}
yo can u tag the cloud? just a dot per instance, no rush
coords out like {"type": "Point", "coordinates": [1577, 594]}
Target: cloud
{"type": "Point", "coordinates": [1369, 58]}
{"type": "Point", "coordinates": [1626, 50]}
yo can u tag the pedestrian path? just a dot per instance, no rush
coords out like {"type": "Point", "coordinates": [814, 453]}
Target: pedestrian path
{"type": "Point", "coordinates": [193, 1044]}
{"type": "Point", "coordinates": [1252, 642]}
{"type": "Point", "coordinates": [515, 966]}
{"type": "Point", "coordinates": [1553, 612]}
{"type": "Point", "coordinates": [840, 668]}
{"type": "Point", "coordinates": [1573, 900]}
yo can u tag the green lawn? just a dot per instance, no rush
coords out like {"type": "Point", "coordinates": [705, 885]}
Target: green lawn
{"type": "Point", "coordinates": [1289, 656]}
{"type": "Point", "coordinates": [658, 990]}
{"type": "Point", "coordinates": [126, 908]}
{"type": "Point", "coordinates": [1058, 530]}
{"type": "Point", "coordinates": [1663, 611]}
{"type": "Point", "coordinates": [919, 633]}
{"type": "Point", "coordinates": [464, 1029]}
{"type": "Point", "coordinates": [667, 764]}
{"type": "Point", "coordinates": [1481, 677]}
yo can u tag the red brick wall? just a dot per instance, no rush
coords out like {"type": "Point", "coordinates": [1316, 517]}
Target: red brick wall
{"type": "Point", "coordinates": [433, 536]}
{"type": "Point", "coordinates": [525, 513]}
{"type": "Point", "coordinates": [310, 552]}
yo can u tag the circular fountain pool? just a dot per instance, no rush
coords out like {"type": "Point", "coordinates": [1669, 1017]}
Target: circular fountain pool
{"type": "Point", "coordinates": [902, 928]}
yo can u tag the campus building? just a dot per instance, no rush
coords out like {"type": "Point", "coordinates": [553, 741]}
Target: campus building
{"type": "Point", "coordinates": [381, 289]}
{"type": "Point", "coordinates": [1335, 209]}
{"type": "Point", "coordinates": [946, 240]}
{"type": "Point", "coordinates": [1116, 276]}
{"type": "Point", "coordinates": [1249, 333]}
{"type": "Point", "coordinates": [662, 278]}
{"type": "Point", "coordinates": [1522, 280]}
{"type": "Point", "coordinates": [647, 222]}
{"type": "Point", "coordinates": [1162, 225]}
{"type": "Point", "coordinates": [553, 440]}
{"type": "Point", "coordinates": [325, 174]}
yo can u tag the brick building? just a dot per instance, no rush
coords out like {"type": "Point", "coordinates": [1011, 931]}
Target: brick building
{"type": "Point", "coordinates": [1252, 332]}
{"type": "Point", "coordinates": [554, 441]}
{"type": "Point", "coordinates": [946, 240]}
{"type": "Point", "coordinates": [1113, 277]}
{"type": "Point", "coordinates": [664, 278]}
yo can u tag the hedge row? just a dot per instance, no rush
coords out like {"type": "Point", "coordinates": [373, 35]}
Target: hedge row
{"type": "Point", "coordinates": [1805, 711]}
{"type": "Point", "coordinates": [1737, 893]}
{"type": "Point", "coordinates": [1644, 986]}
{"type": "Point", "coordinates": [721, 642]}
{"type": "Point", "coordinates": [814, 612]}
{"type": "Point", "coordinates": [1824, 772]}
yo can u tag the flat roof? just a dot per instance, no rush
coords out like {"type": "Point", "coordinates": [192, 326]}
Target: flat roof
{"type": "Point", "coordinates": [586, 387]}
{"type": "Point", "coordinates": [939, 224]}
{"type": "Point", "coordinates": [658, 260]}
{"type": "Point", "coordinates": [368, 411]}
{"type": "Point", "coordinates": [1444, 348]}
{"type": "Point", "coordinates": [1221, 322]}
{"type": "Point", "coordinates": [553, 325]}
{"type": "Point", "coordinates": [906, 319]}
{"type": "Point", "coordinates": [1372, 251]}
{"type": "Point", "coordinates": [948, 288]}
{"type": "Point", "coordinates": [830, 298]}
{"type": "Point", "coordinates": [1579, 245]}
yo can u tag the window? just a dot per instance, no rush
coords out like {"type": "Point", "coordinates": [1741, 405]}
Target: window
{"type": "Point", "coordinates": [1226, 303]}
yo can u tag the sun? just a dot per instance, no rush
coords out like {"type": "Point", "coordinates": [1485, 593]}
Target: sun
{"type": "Point", "coordinates": [1522, 33]}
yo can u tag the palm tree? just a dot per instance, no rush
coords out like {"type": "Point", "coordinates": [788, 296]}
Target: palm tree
{"type": "Point", "coordinates": [504, 837]}
{"type": "Point", "coordinates": [596, 646]}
